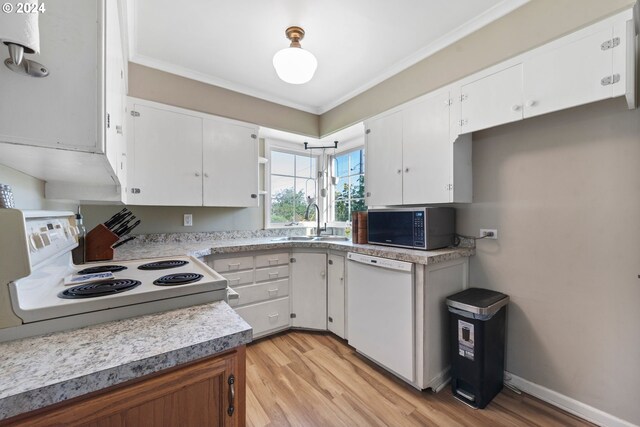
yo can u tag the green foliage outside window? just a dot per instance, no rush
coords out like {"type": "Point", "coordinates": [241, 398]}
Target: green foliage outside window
{"type": "Point", "coordinates": [349, 192]}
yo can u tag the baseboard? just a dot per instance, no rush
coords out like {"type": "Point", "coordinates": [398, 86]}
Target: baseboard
{"type": "Point", "coordinates": [566, 403]}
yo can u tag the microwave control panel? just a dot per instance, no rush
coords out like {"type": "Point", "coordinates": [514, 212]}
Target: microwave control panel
{"type": "Point", "coordinates": [418, 229]}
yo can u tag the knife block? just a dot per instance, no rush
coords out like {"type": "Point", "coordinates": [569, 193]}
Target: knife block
{"type": "Point", "coordinates": [98, 244]}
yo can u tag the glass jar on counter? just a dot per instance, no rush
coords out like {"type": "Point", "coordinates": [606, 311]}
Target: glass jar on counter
{"type": "Point", "coordinates": [6, 197]}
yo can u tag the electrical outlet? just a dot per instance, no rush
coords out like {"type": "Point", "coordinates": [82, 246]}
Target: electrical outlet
{"type": "Point", "coordinates": [492, 233]}
{"type": "Point", "coordinates": [188, 220]}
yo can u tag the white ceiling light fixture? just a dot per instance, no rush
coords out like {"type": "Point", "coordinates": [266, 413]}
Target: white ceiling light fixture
{"type": "Point", "coordinates": [295, 65]}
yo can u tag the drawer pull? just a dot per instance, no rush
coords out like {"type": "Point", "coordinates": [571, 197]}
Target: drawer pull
{"type": "Point", "coordinates": [273, 316]}
{"type": "Point", "coordinates": [275, 274]}
{"type": "Point", "coordinates": [273, 261]}
{"type": "Point", "coordinates": [272, 291]}
{"type": "Point", "coordinates": [234, 266]}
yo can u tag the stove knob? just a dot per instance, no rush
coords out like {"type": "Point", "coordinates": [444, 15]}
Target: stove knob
{"type": "Point", "coordinates": [32, 243]}
{"type": "Point", "coordinates": [37, 240]}
{"type": "Point", "coordinates": [46, 240]}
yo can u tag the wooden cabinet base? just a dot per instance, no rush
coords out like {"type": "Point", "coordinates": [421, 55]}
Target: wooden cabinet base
{"type": "Point", "coordinates": [207, 392]}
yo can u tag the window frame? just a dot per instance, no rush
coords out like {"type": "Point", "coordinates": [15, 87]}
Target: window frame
{"type": "Point", "coordinates": [294, 149]}
{"type": "Point", "coordinates": [331, 199]}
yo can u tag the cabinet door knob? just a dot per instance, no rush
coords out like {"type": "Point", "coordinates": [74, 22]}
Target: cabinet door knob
{"type": "Point", "coordinates": [206, 175]}
{"type": "Point", "coordinates": [197, 174]}
{"type": "Point", "coordinates": [254, 196]}
{"type": "Point", "coordinates": [399, 170]}
{"type": "Point", "coordinates": [406, 169]}
{"type": "Point", "coordinates": [516, 107]}
{"type": "Point", "coordinates": [531, 103]}
{"type": "Point", "coordinates": [368, 194]}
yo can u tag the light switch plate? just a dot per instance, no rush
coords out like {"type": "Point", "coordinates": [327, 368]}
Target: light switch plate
{"type": "Point", "coordinates": [188, 220]}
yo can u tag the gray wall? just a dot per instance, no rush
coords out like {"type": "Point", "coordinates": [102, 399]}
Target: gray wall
{"type": "Point", "coordinates": [168, 219]}
{"type": "Point", "coordinates": [28, 191]}
{"type": "Point", "coordinates": [563, 190]}
{"type": "Point", "coordinates": [155, 85]}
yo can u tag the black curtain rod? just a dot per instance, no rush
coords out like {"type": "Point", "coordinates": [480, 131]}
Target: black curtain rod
{"type": "Point", "coordinates": [306, 146]}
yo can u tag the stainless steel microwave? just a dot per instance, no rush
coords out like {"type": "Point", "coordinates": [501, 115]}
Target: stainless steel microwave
{"type": "Point", "coordinates": [416, 228]}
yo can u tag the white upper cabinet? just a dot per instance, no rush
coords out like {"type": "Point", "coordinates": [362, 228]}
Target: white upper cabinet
{"type": "Point", "coordinates": [569, 75]}
{"type": "Point", "coordinates": [383, 147]}
{"type": "Point", "coordinates": [178, 157]}
{"type": "Point", "coordinates": [411, 158]}
{"type": "Point", "coordinates": [426, 150]}
{"type": "Point", "coordinates": [78, 109]}
{"type": "Point", "coordinates": [492, 100]}
{"type": "Point", "coordinates": [589, 65]}
{"type": "Point", "coordinates": [230, 164]}
{"type": "Point", "coordinates": [115, 94]}
{"type": "Point", "coordinates": [165, 158]}
{"type": "Point", "coordinates": [63, 109]}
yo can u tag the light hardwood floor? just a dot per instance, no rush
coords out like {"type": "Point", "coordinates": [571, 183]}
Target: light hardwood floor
{"type": "Point", "coordinates": [316, 379]}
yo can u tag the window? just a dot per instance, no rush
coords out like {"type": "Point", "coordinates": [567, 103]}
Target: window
{"type": "Point", "coordinates": [293, 179]}
{"type": "Point", "coordinates": [348, 194]}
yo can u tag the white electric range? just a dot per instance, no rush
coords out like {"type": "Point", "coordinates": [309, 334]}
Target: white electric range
{"type": "Point", "coordinates": [36, 259]}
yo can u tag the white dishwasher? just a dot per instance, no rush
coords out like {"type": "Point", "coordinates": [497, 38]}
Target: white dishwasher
{"type": "Point", "coordinates": [380, 311]}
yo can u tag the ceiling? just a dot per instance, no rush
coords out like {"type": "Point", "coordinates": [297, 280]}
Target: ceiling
{"type": "Point", "coordinates": [358, 43]}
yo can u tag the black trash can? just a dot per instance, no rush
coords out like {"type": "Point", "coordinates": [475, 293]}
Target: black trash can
{"type": "Point", "coordinates": [477, 330]}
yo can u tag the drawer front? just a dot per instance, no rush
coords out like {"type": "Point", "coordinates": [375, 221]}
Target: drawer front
{"type": "Point", "coordinates": [233, 264]}
{"type": "Point", "coordinates": [239, 278]}
{"type": "Point", "coordinates": [263, 291]}
{"type": "Point", "coordinates": [266, 316]}
{"type": "Point", "coordinates": [273, 273]}
{"type": "Point", "coordinates": [270, 260]}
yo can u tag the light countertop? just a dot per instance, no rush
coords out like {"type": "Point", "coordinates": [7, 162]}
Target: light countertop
{"type": "Point", "coordinates": [200, 246]}
{"type": "Point", "coordinates": [40, 371]}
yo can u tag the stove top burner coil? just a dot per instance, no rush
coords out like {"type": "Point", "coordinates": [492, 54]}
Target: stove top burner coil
{"type": "Point", "coordinates": [178, 279]}
{"type": "Point", "coordinates": [99, 289]}
{"type": "Point", "coordinates": [102, 269]}
{"type": "Point", "coordinates": [163, 265]}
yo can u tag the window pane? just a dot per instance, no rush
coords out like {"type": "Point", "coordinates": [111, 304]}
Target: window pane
{"type": "Point", "coordinates": [282, 163]}
{"type": "Point", "coordinates": [342, 165]}
{"type": "Point", "coordinates": [356, 184]}
{"type": "Point", "coordinates": [306, 167]}
{"type": "Point", "coordinates": [307, 187]}
{"type": "Point", "coordinates": [341, 210]}
{"type": "Point", "coordinates": [357, 205]}
{"type": "Point", "coordinates": [342, 188]}
{"type": "Point", "coordinates": [355, 159]}
{"type": "Point", "coordinates": [282, 199]}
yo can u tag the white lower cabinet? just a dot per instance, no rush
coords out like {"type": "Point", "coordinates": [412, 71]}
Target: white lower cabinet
{"type": "Point", "coordinates": [309, 290]}
{"type": "Point", "coordinates": [263, 292]}
{"type": "Point", "coordinates": [336, 295]}
{"type": "Point", "coordinates": [266, 317]}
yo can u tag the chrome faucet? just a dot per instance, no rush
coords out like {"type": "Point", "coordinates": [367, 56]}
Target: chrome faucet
{"type": "Point", "coordinates": [306, 217]}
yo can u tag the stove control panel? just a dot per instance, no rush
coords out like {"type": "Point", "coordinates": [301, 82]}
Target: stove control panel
{"type": "Point", "coordinates": [49, 237]}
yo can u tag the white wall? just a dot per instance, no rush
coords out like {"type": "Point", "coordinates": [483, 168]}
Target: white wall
{"type": "Point", "coordinates": [563, 190]}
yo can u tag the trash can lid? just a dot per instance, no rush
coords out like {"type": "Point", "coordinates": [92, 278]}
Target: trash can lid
{"type": "Point", "coordinates": [478, 301]}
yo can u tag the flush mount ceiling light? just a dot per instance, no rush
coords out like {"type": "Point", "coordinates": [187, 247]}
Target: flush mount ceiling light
{"type": "Point", "coordinates": [295, 65]}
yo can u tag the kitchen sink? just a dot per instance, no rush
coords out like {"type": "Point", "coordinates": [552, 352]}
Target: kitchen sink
{"type": "Point", "coordinates": [311, 238]}
{"type": "Point", "coordinates": [331, 239]}
{"type": "Point", "coordinates": [293, 239]}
